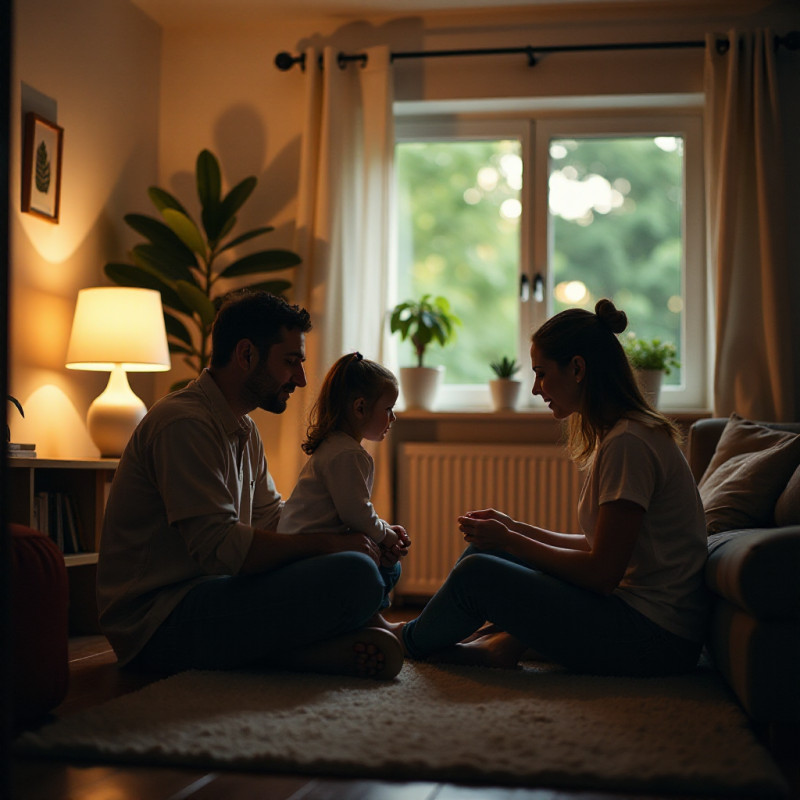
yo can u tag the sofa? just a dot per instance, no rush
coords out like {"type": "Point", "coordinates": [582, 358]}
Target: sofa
{"type": "Point", "coordinates": [748, 474]}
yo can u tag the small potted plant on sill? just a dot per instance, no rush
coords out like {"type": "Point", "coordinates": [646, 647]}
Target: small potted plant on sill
{"type": "Point", "coordinates": [650, 360]}
{"type": "Point", "coordinates": [504, 388]}
{"type": "Point", "coordinates": [423, 321]}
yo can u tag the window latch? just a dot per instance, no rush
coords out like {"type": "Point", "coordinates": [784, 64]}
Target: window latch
{"type": "Point", "coordinates": [524, 288]}
{"type": "Point", "coordinates": [538, 287]}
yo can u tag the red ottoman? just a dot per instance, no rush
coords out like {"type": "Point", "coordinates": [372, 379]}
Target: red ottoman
{"type": "Point", "coordinates": [39, 600]}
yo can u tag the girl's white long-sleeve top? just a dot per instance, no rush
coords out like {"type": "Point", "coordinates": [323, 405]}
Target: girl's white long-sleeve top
{"type": "Point", "coordinates": [333, 492]}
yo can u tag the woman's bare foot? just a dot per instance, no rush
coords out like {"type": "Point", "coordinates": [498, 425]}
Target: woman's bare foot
{"type": "Point", "coordinates": [487, 629]}
{"type": "Point", "coordinates": [365, 653]}
{"type": "Point", "coordinates": [379, 621]}
{"type": "Point", "coordinates": [499, 650]}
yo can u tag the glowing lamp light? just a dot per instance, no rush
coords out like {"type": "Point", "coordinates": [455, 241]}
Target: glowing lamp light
{"type": "Point", "coordinates": [118, 330]}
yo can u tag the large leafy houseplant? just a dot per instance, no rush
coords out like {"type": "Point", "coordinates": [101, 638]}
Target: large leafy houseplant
{"type": "Point", "coordinates": [180, 259]}
{"type": "Point", "coordinates": [424, 321]}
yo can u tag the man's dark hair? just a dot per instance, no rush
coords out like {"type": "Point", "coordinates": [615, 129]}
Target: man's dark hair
{"type": "Point", "coordinates": [258, 316]}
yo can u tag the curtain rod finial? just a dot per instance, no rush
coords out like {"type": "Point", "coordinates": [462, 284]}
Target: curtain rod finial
{"type": "Point", "coordinates": [285, 61]}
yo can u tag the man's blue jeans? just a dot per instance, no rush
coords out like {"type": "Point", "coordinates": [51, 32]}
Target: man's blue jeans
{"type": "Point", "coordinates": [228, 622]}
{"type": "Point", "coordinates": [580, 629]}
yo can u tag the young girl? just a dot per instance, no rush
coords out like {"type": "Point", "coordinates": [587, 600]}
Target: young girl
{"type": "Point", "coordinates": [626, 594]}
{"type": "Point", "coordinates": [334, 488]}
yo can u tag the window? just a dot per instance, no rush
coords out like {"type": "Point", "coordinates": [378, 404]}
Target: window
{"type": "Point", "coordinates": [514, 220]}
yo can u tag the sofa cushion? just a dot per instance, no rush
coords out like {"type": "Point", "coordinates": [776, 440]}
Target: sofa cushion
{"type": "Point", "coordinates": [756, 570]}
{"type": "Point", "coordinates": [787, 509]}
{"type": "Point", "coordinates": [750, 469]}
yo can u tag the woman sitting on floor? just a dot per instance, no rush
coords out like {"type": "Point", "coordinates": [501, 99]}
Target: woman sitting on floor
{"type": "Point", "coordinates": [624, 596]}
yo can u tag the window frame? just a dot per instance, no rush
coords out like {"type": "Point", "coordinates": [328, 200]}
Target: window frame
{"type": "Point", "coordinates": [534, 129]}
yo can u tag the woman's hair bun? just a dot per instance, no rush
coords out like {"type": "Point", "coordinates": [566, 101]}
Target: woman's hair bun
{"type": "Point", "coordinates": [615, 319]}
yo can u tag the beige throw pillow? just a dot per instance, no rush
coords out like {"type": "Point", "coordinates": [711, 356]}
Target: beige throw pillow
{"type": "Point", "coordinates": [748, 472]}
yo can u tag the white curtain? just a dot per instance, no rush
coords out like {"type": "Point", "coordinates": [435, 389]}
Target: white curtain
{"type": "Point", "coordinates": [747, 242]}
{"type": "Point", "coordinates": [344, 223]}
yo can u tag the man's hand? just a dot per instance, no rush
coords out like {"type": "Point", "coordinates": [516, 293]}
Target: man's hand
{"type": "Point", "coordinates": [358, 542]}
{"type": "Point", "coordinates": [270, 549]}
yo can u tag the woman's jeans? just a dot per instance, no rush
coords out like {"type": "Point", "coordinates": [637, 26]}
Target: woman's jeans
{"type": "Point", "coordinates": [227, 622]}
{"type": "Point", "coordinates": [579, 629]}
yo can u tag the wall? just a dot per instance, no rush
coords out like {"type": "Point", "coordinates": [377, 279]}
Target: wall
{"type": "Point", "coordinates": [91, 66]}
{"type": "Point", "coordinates": [220, 88]}
{"type": "Point", "coordinates": [138, 103]}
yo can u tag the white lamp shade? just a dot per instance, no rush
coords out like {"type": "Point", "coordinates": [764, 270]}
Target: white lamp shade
{"type": "Point", "coordinates": [118, 326]}
{"type": "Point", "coordinates": [117, 330]}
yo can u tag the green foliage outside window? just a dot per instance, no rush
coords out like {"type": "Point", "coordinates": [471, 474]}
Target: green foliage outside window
{"type": "Point", "coordinates": [455, 242]}
{"type": "Point", "coordinates": [459, 237]}
{"type": "Point", "coordinates": [633, 251]}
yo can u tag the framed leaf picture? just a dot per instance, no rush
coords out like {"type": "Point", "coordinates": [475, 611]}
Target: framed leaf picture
{"type": "Point", "coordinates": [41, 168]}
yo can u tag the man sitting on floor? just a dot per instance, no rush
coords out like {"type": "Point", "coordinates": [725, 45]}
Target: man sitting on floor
{"type": "Point", "coordinates": [192, 573]}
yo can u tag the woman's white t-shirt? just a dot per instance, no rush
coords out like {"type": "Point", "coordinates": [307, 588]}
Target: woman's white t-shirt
{"type": "Point", "coordinates": [664, 579]}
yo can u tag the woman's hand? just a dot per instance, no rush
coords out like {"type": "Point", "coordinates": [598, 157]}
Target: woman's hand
{"type": "Point", "coordinates": [486, 533]}
{"type": "Point", "coordinates": [491, 513]}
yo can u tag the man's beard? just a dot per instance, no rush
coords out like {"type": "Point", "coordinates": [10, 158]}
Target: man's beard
{"type": "Point", "coordinates": [266, 392]}
{"type": "Point", "coordinates": [274, 402]}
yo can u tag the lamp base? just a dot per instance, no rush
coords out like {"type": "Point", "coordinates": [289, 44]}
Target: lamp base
{"type": "Point", "coordinates": [114, 415]}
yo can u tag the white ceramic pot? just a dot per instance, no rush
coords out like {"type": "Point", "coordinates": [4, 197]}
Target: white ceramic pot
{"type": "Point", "coordinates": [650, 384]}
{"type": "Point", "coordinates": [505, 393]}
{"type": "Point", "coordinates": [419, 385]}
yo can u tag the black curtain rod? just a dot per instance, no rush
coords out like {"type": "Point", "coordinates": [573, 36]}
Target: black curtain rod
{"type": "Point", "coordinates": [285, 61]}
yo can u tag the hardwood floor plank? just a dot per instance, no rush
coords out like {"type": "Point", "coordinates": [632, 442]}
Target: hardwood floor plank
{"type": "Point", "coordinates": [143, 783]}
{"type": "Point", "coordinates": [251, 786]}
{"type": "Point", "coordinates": [345, 789]}
{"type": "Point", "coordinates": [452, 792]}
{"type": "Point", "coordinates": [35, 779]}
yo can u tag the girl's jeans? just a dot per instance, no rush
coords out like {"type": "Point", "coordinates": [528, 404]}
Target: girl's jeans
{"type": "Point", "coordinates": [577, 628]}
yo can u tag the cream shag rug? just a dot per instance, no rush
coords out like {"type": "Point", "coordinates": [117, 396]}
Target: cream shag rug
{"type": "Point", "coordinates": [533, 727]}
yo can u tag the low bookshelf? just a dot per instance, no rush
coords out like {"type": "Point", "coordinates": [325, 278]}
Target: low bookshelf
{"type": "Point", "coordinates": [65, 498]}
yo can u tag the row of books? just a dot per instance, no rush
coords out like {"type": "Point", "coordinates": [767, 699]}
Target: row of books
{"type": "Point", "coordinates": [16, 450]}
{"type": "Point", "coordinates": [54, 513]}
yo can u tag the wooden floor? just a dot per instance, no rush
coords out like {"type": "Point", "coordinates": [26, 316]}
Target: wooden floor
{"type": "Point", "coordinates": [94, 678]}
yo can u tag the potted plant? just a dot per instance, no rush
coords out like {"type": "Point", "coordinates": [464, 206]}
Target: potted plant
{"type": "Point", "coordinates": [650, 360]}
{"type": "Point", "coordinates": [180, 259]}
{"type": "Point", "coordinates": [15, 402]}
{"type": "Point", "coordinates": [423, 322]}
{"type": "Point", "coordinates": [14, 449]}
{"type": "Point", "coordinates": [504, 389]}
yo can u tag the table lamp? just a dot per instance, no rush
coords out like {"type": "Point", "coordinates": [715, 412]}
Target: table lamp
{"type": "Point", "coordinates": [120, 330]}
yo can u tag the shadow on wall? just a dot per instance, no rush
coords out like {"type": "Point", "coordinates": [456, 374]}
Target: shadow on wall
{"type": "Point", "coordinates": [243, 155]}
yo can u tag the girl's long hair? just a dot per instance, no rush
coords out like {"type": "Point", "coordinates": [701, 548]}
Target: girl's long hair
{"type": "Point", "coordinates": [610, 389]}
{"type": "Point", "coordinates": [351, 377]}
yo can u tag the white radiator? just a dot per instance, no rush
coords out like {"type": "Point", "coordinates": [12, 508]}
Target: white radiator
{"type": "Point", "coordinates": [436, 483]}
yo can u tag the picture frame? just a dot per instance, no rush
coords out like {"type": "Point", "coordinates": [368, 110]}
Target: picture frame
{"type": "Point", "coordinates": [41, 168]}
